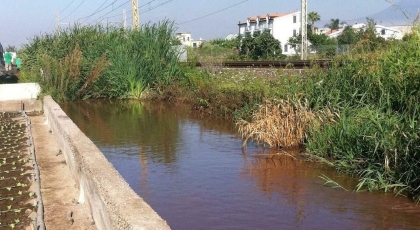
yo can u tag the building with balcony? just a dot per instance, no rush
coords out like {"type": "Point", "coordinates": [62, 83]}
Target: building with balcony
{"type": "Point", "coordinates": [281, 26]}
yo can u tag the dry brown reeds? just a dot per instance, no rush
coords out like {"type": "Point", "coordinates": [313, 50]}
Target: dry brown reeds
{"type": "Point", "coordinates": [98, 67]}
{"type": "Point", "coordinates": [277, 123]}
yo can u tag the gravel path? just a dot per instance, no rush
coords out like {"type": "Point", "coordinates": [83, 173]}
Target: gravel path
{"type": "Point", "coordinates": [59, 190]}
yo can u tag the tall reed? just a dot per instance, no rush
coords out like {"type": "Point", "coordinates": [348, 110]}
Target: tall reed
{"type": "Point", "coordinates": [377, 133]}
{"type": "Point", "coordinates": [97, 61]}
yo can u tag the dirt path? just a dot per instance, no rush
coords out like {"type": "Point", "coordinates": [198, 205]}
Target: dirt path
{"type": "Point", "coordinates": [58, 189]}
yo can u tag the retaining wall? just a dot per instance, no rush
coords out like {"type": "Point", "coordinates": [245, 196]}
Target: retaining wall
{"type": "Point", "coordinates": [113, 204]}
{"type": "Point", "coordinates": [22, 96]}
{"type": "Point", "coordinates": [20, 91]}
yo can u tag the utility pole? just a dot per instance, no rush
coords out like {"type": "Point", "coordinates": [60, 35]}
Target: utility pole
{"type": "Point", "coordinates": [135, 14]}
{"type": "Point", "coordinates": [304, 30]}
{"type": "Point", "coordinates": [124, 19]}
{"type": "Point", "coordinates": [57, 22]}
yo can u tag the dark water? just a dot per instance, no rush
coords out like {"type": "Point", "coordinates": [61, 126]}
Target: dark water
{"type": "Point", "coordinates": [194, 173]}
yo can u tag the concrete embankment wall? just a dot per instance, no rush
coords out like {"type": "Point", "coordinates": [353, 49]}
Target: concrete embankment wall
{"type": "Point", "coordinates": [113, 204]}
{"type": "Point", "coordinates": [22, 96]}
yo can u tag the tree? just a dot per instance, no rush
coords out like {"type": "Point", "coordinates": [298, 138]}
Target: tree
{"type": "Point", "coordinates": [11, 48]}
{"type": "Point", "coordinates": [320, 43]}
{"type": "Point", "coordinates": [367, 39]}
{"type": "Point", "coordinates": [267, 47]}
{"type": "Point", "coordinates": [247, 46]}
{"type": "Point", "coordinates": [334, 24]}
{"type": "Point", "coordinates": [348, 37]}
{"type": "Point", "coordinates": [260, 46]}
{"type": "Point", "coordinates": [313, 17]}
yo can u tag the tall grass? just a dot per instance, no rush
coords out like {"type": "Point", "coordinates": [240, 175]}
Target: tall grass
{"type": "Point", "coordinates": [96, 61]}
{"type": "Point", "coordinates": [277, 123]}
{"type": "Point", "coordinates": [377, 133]}
{"type": "Point", "coordinates": [365, 110]}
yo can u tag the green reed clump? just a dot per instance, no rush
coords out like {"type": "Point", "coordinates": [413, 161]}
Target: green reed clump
{"type": "Point", "coordinates": [376, 133]}
{"type": "Point", "coordinates": [96, 61]}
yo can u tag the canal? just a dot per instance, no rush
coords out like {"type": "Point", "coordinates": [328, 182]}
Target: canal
{"type": "Point", "coordinates": [194, 173]}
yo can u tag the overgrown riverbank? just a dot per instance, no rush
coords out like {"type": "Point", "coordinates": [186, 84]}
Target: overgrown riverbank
{"type": "Point", "coordinates": [360, 116]}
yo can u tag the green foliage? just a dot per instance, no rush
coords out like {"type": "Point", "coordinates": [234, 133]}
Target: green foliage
{"type": "Point", "coordinates": [231, 44]}
{"type": "Point", "coordinates": [10, 48]}
{"type": "Point", "coordinates": [94, 61]}
{"type": "Point", "coordinates": [261, 46]}
{"type": "Point", "coordinates": [364, 40]}
{"type": "Point", "coordinates": [213, 51]}
{"type": "Point", "coordinates": [376, 133]}
{"type": "Point", "coordinates": [333, 24]}
{"type": "Point", "coordinates": [348, 37]}
{"type": "Point", "coordinates": [313, 17]}
{"type": "Point", "coordinates": [323, 46]}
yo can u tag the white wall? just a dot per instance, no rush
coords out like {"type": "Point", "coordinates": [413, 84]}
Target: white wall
{"type": "Point", "coordinates": [388, 33]}
{"type": "Point", "coordinates": [184, 38]}
{"type": "Point", "coordinates": [283, 29]}
{"type": "Point", "coordinates": [20, 91]}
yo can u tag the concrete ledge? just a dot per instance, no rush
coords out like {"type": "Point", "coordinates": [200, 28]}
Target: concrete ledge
{"type": "Point", "coordinates": [113, 204]}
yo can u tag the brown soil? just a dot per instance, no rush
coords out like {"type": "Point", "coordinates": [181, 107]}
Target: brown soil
{"type": "Point", "coordinates": [58, 188]}
{"type": "Point", "coordinates": [16, 192]}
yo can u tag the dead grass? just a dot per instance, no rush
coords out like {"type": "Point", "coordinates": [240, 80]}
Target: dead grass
{"type": "Point", "coordinates": [277, 123]}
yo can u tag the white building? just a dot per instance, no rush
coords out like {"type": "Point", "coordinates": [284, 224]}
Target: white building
{"type": "Point", "coordinates": [281, 26]}
{"type": "Point", "coordinates": [186, 40]}
{"type": "Point", "coordinates": [387, 32]}
{"type": "Point", "coordinates": [381, 31]}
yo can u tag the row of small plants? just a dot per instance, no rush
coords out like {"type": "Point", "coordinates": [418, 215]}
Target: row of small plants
{"type": "Point", "coordinates": [15, 195]}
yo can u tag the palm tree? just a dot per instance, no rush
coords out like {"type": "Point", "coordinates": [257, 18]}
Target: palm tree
{"type": "Point", "coordinates": [334, 24]}
{"type": "Point", "coordinates": [313, 17]}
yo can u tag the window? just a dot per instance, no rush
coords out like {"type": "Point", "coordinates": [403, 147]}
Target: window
{"type": "Point", "coordinates": [195, 45]}
{"type": "Point", "coordinates": [294, 32]}
{"type": "Point", "coordinates": [383, 32]}
{"type": "Point", "coordinates": [294, 18]}
{"type": "Point", "coordinates": [188, 38]}
{"type": "Point", "coordinates": [183, 38]}
{"type": "Point", "coordinates": [285, 48]}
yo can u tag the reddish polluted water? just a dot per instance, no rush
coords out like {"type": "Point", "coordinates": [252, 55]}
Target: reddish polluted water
{"type": "Point", "coordinates": [193, 172]}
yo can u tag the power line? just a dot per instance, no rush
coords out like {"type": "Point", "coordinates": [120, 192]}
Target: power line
{"type": "Point", "coordinates": [97, 12]}
{"type": "Point", "coordinates": [66, 7]}
{"type": "Point", "coordinates": [161, 4]}
{"type": "Point", "coordinates": [74, 10]}
{"type": "Point", "coordinates": [116, 15]}
{"type": "Point", "coordinates": [103, 16]}
{"type": "Point", "coordinates": [195, 19]}
{"type": "Point", "coordinates": [94, 12]}
{"type": "Point", "coordinates": [52, 21]}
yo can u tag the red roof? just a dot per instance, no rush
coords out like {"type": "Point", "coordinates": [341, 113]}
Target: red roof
{"type": "Point", "coordinates": [263, 17]}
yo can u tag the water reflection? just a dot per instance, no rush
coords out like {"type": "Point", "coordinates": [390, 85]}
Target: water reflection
{"type": "Point", "coordinates": [194, 173]}
{"type": "Point", "coordinates": [128, 125]}
{"type": "Point", "coordinates": [298, 182]}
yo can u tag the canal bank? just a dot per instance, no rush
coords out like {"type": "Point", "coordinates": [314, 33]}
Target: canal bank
{"type": "Point", "coordinates": [113, 204]}
{"type": "Point", "coordinates": [80, 189]}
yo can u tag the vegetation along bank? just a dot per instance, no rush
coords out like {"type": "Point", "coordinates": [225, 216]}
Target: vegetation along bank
{"type": "Point", "coordinates": [360, 117]}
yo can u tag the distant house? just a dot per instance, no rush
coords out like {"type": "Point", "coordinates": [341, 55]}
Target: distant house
{"type": "Point", "coordinates": [333, 33]}
{"type": "Point", "coordinates": [388, 33]}
{"type": "Point", "coordinates": [381, 31]}
{"type": "Point", "coordinates": [231, 36]}
{"type": "Point", "coordinates": [281, 26]}
{"type": "Point", "coordinates": [186, 40]}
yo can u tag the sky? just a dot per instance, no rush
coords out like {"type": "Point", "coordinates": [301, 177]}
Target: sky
{"type": "Point", "coordinates": [21, 20]}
